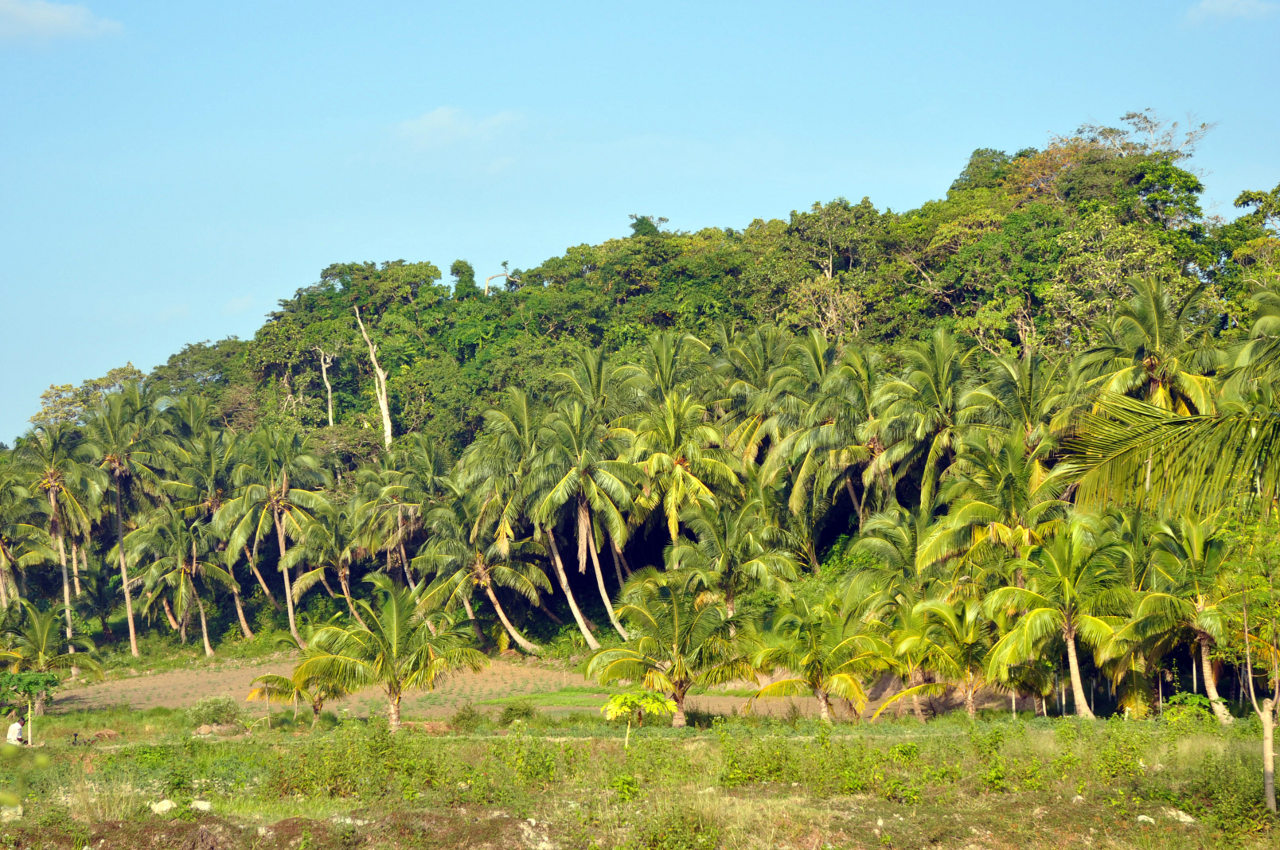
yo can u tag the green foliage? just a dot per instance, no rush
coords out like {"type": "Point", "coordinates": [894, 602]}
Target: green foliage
{"type": "Point", "coordinates": [467, 719]}
{"type": "Point", "coordinates": [215, 711]}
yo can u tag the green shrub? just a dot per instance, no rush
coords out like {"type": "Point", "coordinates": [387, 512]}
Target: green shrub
{"type": "Point", "coordinates": [522, 710]}
{"type": "Point", "coordinates": [214, 711]}
{"type": "Point", "coordinates": [467, 719]}
{"type": "Point", "coordinates": [679, 828]}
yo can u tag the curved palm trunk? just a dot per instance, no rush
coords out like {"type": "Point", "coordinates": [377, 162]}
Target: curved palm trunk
{"type": "Point", "coordinates": [917, 678]}
{"type": "Point", "coordinates": [288, 585]}
{"type": "Point", "coordinates": [173, 621]}
{"type": "Point", "coordinates": [971, 703]}
{"type": "Point", "coordinates": [521, 641]}
{"type": "Point", "coordinates": [584, 527]}
{"type": "Point", "coordinates": [253, 567]}
{"type": "Point", "coordinates": [475, 624]}
{"type": "Point", "coordinates": [204, 627]}
{"type": "Point", "coordinates": [244, 624]}
{"type": "Point", "coordinates": [564, 585]}
{"type": "Point", "coordinates": [1210, 685]}
{"type": "Point", "coordinates": [124, 575]}
{"type": "Point", "coordinates": [617, 570]}
{"type": "Point", "coordinates": [346, 594]}
{"type": "Point", "coordinates": [1077, 686]}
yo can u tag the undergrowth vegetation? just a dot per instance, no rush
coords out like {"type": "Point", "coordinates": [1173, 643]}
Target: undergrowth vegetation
{"type": "Point", "coordinates": [744, 782]}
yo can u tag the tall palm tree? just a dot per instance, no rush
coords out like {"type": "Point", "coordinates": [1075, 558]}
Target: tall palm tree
{"type": "Point", "coordinates": [1005, 499]}
{"type": "Point", "coordinates": [394, 649]}
{"type": "Point", "coordinates": [497, 467]}
{"type": "Point", "coordinates": [682, 457]}
{"type": "Point", "coordinates": [1188, 593]}
{"type": "Point", "coordinates": [735, 549]}
{"type": "Point", "coordinates": [680, 638]}
{"type": "Point", "coordinates": [123, 436]}
{"type": "Point", "coordinates": [329, 544]}
{"type": "Point", "coordinates": [180, 559]}
{"type": "Point", "coordinates": [463, 557]}
{"type": "Point", "coordinates": [578, 474]}
{"type": "Point", "coordinates": [53, 461]}
{"type": "Point", "coordinates": [199, 470]}
{"type": "Point", "coordinates": [1148, 350]}
{"type": "Point", "coordinates": [923, 411]}
{"type": "Point", "coordinates": [271, 497]}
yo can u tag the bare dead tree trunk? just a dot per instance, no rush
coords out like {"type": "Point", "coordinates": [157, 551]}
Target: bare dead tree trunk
{"type": "Point", "coordinates": [379, 383]}
{"type": "Point", "coordinates": [326, 360]}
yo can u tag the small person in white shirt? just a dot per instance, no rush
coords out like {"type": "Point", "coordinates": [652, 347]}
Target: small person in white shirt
{"type": "Point", "coordinates": [15, 732]}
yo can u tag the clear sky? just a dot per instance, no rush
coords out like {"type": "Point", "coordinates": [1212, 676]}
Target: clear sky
{"type": "Point", "coordinates": [169, 170]}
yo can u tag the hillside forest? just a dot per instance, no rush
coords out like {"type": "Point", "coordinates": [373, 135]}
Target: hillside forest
{"type": "Point", "coordinates": [1015, 442]}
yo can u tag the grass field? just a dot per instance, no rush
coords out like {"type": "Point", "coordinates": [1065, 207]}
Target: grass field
{"type": "Point", "coordinates": [520, 757]}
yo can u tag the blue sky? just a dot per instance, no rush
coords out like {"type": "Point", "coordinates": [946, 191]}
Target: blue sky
{"type": "Point", "coordinates": [169, 170]}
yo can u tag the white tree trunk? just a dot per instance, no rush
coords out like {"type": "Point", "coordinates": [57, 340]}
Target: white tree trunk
{"type": "Point", "coordinates": [379, 383]}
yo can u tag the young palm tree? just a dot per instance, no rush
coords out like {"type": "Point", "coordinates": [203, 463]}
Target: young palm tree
{"type": "Point", "coordinates": [35, 647]}
{"type": "Point", "coordinates": [395, 650]}
{"type": "Point", "coordinates": [954, 645]}
{"type": "Point", "coordinates": [825, 653]}
{"type": "Point", "coordinates": [1072, 592]}
{"type": "Point", "coordinates": [274, 688]}
{"type": "Point", "coordinates": [680, 638]}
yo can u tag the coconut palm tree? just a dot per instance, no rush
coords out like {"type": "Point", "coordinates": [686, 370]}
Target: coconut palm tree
{"type": "Point", "coordinates": [953, 644]}
{"type": "Point", "coordinates": [123, 437]}
{"type": "Point", "coordinates": [681, 638]}
{"type": "Point", "coordinates": [922, 413]}
{"type": "Point", "coordinates": [1147, 350]}
{"type": "Point", "coordinates": [681, 456]}
{"type": "Point", "coordinates": [270, 496]}
{"type": "Point", "coordinates": [735, 549]}
{"type": "Point", "coordinates": [179, 558]}
{"type": "Point", "coordinates": [463, 557]}
{"type": "Point", "coordinates": [34, 646]}
{"type": "Point", "coordinates": [53, 461]}
{"type": "Point", "coordinates": [577, 474]}
{"type": "Point", "coordinates": [1073, 591]}
{"type": "Point", "coordinates": [1188, 593]}
{"type": "Point", "coordinates": [824, 653]}
{"type": "Point", "coordinates": [394, 650]}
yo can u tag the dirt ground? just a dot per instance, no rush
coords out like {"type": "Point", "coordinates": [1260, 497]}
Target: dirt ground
{"type": "Point", "coordinates": [503, 678]}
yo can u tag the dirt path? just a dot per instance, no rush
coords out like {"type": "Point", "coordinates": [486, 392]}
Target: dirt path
{"type": "Point", "coordinates": [183, 688]}
{"type": "Point", "coordinates": [503, 678]}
